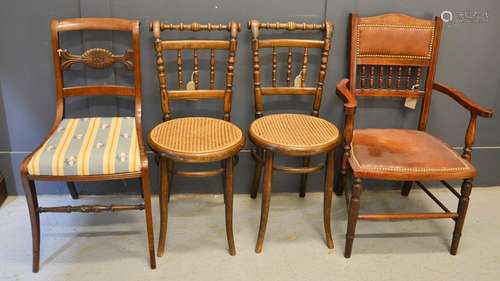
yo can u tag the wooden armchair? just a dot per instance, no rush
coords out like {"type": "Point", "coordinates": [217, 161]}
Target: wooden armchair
{"type": "Point", "coordinates": [296, 135]}
{"type": "Point", "coordinates": [196, 139]}
{"type": "Point", "coordinates": [394, 55]}
{"type": "Point", "coordinates": [90, 149]}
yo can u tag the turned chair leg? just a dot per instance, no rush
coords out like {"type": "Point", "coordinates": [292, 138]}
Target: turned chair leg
{"type": "Point", "coordinates": [352, 216]}
{"type": "Point", "coordinates": [342, 181]}
{"type": "Point", "coordinates": [257, 173]}
{"type": "Point", "coordinates": [463, 204]}
{"type": "Point", "coordinates": [405, 190]}
{"type": "Point", "coordinates": [72, 189]}
{"type": "Point", "coordinates": [228, 202]}
{"type": "Point", "coordinates": [303, 178]}
{"type": "Point", "coordinates": [149, 217]}
{"type": "Point", "coordinates": [327, 203]}
{"type": "Point", "coordinates": [266, 199]}
{"type": "Point", "coordinates": [32, 200]}
{"type": "Point", "coordinates": [164, 191]}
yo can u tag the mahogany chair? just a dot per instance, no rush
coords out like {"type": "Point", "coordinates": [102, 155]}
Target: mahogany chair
{"type": "Point", "coordinates": [90, 149]}
{"type": "Point", "coordinates": [196, 139]}
{"type": "Point", "coordinates": [291, 134]}
{"type": "Point", "coordinates": [395, 55]}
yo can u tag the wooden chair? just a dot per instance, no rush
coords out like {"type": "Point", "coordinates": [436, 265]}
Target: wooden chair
{"type": "Point", "coordinates": [90, 149]}
{"type": "Point", "coordinates": [196, 139]}
{"type": "Point", "coordinates": [394, 55]}
{"type": "Point", "coordinates": [291, 134]}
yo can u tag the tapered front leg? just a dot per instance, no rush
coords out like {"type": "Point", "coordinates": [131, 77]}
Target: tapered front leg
{"type": "Point", "coordinates": [257, 173]}
{"type": "Point", "coordinates": [303, 178]}
{"type": "Point", "coordinates": [164, 191]}
{"type": "Point", "coordinates": [405, 190]}
{"type": "Point", "coordinates": [352, 219]}
{"type": "Point", "coordinates": [266, 199]}
{"type": "Point", "coordinates": [327, 204]}
{"type": "Point", "coordinates": [72, 189]}
{"type": "Point", "coordinates": [32, 200]}
{"type": "Point", "coordinates": [170, 176]}
{"type": "Point", "coordinates": [228, 201]}
{"type": "Point", "coordinates": [463, 204]}
{"type": "Point", "coordinates": [149, 217]}
{"type": "Point", "coordinates": [342, 181]}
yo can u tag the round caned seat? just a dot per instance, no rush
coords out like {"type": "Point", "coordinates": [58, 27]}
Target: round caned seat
{"type": "Point", "coordinates": [196, 139]}
{"type": "Point", "coordinates": [294, 134]}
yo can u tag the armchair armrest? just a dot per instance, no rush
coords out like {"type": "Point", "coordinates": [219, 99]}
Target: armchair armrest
{"type": "Point", "coordinates": [346, 95]}
{"type": "Point", "coordinates": [463, 100]}
{"type": "Point", "coordinates": [475, 110]}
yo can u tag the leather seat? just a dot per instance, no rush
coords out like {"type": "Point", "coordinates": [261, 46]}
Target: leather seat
{"type": "Point", "coordinates": [399, 154]}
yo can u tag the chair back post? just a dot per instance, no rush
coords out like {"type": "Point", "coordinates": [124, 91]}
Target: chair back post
{"type": "Point", "coordinates": [233, 43]}
{"type": "Point", "coordinates": [325, 45]}
{"type": "Point", "coordinates": [325, 52]}
{"type": "Point", "coordinates": [391, 55]}
{"type": "Point", "coordinates": [254, 26]}
{"type": "Point", "coordinates": [192, 90]}
{"type": "Point", "coordinates": [426, 103]}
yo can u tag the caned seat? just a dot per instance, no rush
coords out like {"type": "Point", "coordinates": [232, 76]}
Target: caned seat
{"type": "Point", "coordinates": [295, 134]}
{"type": "Point", "coordinates": [401, 154]}
{"type": "Point", "coordinates": [197, 139]}
{"type": "Point", "coordinates": [89, 146]}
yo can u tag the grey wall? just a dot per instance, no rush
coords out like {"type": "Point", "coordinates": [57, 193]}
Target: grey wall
{"type": "Point", "coordinates": [468, 60]}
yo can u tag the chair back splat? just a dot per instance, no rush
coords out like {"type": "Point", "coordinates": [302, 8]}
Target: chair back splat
{"type": "Point", "coordinates": [96, 58]}
{"type": "Point", "coordinates": [298, 85]}
{"type": "Point", "coordinates": [394, 55]}
{"type": "Point", "coordinates": [193, 90]}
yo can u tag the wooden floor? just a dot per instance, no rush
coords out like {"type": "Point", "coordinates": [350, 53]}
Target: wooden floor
{"type": "Point", "coordinates": [113, 246]}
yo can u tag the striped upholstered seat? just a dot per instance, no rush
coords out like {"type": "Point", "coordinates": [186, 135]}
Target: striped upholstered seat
{"type": "Point", "coordinates": [89, 146]}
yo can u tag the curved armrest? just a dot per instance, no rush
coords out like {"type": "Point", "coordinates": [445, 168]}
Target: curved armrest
{"type": "Point", "coordinates": [463, 100]}
{"type": "Point", "coordinates": [345, 94]}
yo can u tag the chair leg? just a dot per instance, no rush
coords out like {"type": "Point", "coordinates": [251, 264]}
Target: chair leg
{"type": "Point", "coordinates": [149, 217]}
{"type": "Point", "coordinates": [266, 199]}
{"type": "Point", "coordinates": [164, 191]}
{"type": "Point", "coordinates": [342, 181]}
{"type": "Point", "coordinates": [303, 178]}
{"type": "Point", "coordinates": [463, 203]}
{"type": "Point", "coordinates": [257, 174]}
{"type": "Point", "coordinates": [32, 200]}
{"type": "Point", "coordinates": [405, 190]}
{"type": "Point", "coordinates": [228, 202]}
{"type": "Point", "coordinates": [327, 203]}
{"type": "Point", "coordinates": [170, 176]}
{"type": "Point", "coordinates": [72, 189]}
{"type": "Point", "coordinates": [224, 177]}
{"type": "Point", "coordinates": [352, 216]}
